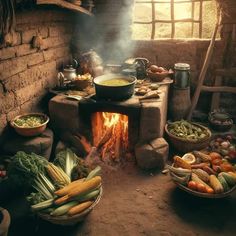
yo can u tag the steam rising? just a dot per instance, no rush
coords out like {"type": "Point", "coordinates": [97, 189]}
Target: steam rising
{"type": "Point", "coordinates": [108, 32]}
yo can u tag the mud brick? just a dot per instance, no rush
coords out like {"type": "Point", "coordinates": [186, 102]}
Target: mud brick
{"type": "Point", "coordinates": [153, 154]}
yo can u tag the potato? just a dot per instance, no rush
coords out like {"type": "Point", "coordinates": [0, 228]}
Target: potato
{"type": "Point", "coordinates": [154, 68]}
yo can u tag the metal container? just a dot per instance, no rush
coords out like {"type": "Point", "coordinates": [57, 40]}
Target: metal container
{"type": "Point", "coordinates": [182, 75]}
{"type": "Point", "coordinates": [115, 93]}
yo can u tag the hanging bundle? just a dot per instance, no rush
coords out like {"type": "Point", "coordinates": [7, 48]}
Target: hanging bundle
{"type": "Point", "coordinates": [7, 22]}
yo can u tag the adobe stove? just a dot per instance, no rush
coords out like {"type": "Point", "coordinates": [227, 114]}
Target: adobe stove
{"type": "Point", "coordinates": [120, 130]}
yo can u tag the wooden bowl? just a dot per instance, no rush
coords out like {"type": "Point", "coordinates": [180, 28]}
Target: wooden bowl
{"type": "Point", "coordinates": [184, 145]}
{"type": "Point", "coordinates": [30, 131]}
{"type": "Point", "coordinates": [204, 195]}
{"type": "Point", "coordinates": [71, 220]}
{"type": "Point", "coordinates": [81, 84]}
{"type": "Point", "coordinates": [157, 76]}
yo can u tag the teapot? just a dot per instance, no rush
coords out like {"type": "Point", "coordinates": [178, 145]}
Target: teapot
{"type": "Point", "coordinates": [68, 74]}
{"type": "Point", "coordinates": [139, 65]}
{"type": "Point", "coordinates": [69, 71]}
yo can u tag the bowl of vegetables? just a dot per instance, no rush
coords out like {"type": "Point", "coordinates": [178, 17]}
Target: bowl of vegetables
{"type": "Point", "coordinates": [30, 124]}
{"type": "Point", "coordinates": [220, 120]}
{"type": "Point", "coordinates": [203, 174]}
{"type": "Point", "coordinates": [59, 195]}
{"type": "Point", "coordinates": [186, 136]}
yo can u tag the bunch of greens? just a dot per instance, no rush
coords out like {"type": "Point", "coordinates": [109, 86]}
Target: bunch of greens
{"type": "Point", "coordinates": [29, 170]}
{"type": "Point", "coordinates": [71, 164]}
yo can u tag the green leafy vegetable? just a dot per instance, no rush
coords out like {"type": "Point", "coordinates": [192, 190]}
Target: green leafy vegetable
{"type": "Point", "coordinates": [68, 161]}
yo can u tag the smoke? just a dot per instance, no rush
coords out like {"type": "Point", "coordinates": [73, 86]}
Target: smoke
{"type": "Point", "coordinates": [108, 32]}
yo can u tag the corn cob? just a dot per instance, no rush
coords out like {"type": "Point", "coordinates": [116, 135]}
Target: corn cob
{"type": "Point", "coordinates": [61, 210]}
{"type": "Point", "coordinates": [203, 175]}
{"type": "Point", "coordinates": [215, 184]}
{"type": "Point", "coordinates": [179, 162]}
{"type": "Point", "coordinates": [56, 175]}
{"type": "Point", "coordinates": [204, 157]}
{"type": "Point", "coordinates": [179, 171]}
{"type": "Point", "coordinates": [196, 179]}
{"type": "Point", "coordinates": [182, 180]}
{"type": "Point", "coordinates": [42, 205]}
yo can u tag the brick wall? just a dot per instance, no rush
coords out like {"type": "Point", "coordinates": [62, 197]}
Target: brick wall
{"type": "Point", "coordinates": [26, 73]}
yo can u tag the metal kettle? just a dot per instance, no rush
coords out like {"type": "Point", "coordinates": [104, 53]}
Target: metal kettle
{"type": "Point", "coordinates": [68, 74]}
{"type": "Point", "coordinates": [138, 65]}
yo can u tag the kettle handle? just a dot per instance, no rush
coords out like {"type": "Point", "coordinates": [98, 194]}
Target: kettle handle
{"type": "Point", "coordinates": [143, 60]}
{"type": "Point", "coordinates": [75, 63]}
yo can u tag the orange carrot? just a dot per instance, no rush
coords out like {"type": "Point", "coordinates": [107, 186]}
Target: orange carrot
{"type": "Point", "coordinates": [79, 208]}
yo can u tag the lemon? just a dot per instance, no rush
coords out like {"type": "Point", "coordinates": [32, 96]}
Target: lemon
{"type": "Point", "coordinates": [189, 157]}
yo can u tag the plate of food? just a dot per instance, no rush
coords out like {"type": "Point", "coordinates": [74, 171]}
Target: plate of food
{"type": "Point", "coordinates": [203, 174]}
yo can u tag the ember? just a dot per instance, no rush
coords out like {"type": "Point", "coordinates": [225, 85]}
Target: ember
{"type": "Point", "coordinates": [110, 134]}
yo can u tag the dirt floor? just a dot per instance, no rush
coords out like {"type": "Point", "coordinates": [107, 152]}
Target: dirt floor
{"type": "Point", "coordinates": [138, 203]}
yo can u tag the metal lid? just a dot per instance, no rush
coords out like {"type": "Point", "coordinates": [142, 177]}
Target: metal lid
{"type": "Point", "coordinates": [182, 66]}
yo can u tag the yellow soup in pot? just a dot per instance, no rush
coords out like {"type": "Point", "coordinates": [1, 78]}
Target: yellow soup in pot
{"type": "Point", "coordinates": [115, 82]}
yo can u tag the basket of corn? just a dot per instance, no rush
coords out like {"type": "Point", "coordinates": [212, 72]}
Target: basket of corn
{"type": "Point", "coordinates": [64, 192]}
{"type": "Point", "coordinates": [187, 136]}
{"type": "Point", "coordinates": [202, 174]}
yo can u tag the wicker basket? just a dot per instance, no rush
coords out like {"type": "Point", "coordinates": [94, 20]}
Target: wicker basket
{"type": "Point", "coordinates": [70, 220]}
{"type": "Point", "coordinates": [184, 145]}
{"type": "Point", "coordinates": [157, 77]}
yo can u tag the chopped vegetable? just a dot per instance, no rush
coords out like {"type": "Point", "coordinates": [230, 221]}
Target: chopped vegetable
{"type": "Point", "coordinates": [29, 121]}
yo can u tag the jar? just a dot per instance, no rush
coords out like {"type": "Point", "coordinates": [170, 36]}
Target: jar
{"type": "Point", "coordinates": [181, 75]}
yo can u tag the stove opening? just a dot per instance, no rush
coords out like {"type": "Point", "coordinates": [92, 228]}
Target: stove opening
{"type": "Point", "coordinates": [110, 135]}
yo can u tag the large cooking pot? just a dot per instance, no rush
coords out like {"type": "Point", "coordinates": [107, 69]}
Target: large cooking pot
{"type": "Point", "coordinates": [114, 92]}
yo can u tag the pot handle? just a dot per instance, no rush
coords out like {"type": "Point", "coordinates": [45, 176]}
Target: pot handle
{"type": "Point", "coordinates": [75, 63]}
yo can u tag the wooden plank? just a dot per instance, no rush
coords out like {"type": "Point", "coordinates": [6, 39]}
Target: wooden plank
{"type": "Point", "coordinates": [221, 89]}
{"type": "Point", "coordinates": [153, 20]}
{"type": "Point", "coordinates": [183, 1]}
{"type": "Point", "coordinates": [167, 21]}
{"type": "Point", "coordinates": [64, 4]}
{"type": "Point", "coordinates": [204, 69]}
{"type": "Point", "coordinates": [216, 96]}
{"type": "Point", "coordinates": [200, 20]}
{"type": "Point", "coordinates": [231, 72]}
{"type": "Point", "coordinates": [172, 16]}
{"type": "Point", "coordinates": [192, 16]}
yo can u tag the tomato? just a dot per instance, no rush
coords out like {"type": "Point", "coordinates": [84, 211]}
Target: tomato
{"type": "Point", "coordinates": [201, 188]}
{"type": "Point", "coordinates": [216, 162]}
{"type": "Point", "coordinates": [192, 185]}
{"type": "Point", "coordinates": [215, 155]}
{"type": "Point", "coordinates": [210, 190]}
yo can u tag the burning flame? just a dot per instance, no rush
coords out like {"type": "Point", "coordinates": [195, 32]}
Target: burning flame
{"type": "Point", "coordinates": [110, 134]}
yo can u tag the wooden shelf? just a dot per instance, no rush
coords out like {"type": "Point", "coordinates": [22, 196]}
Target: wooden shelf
{"type": "Point", "coordinates": [64, 4]}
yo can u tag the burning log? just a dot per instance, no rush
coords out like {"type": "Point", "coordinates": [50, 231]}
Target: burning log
{"type": "Point", "coordinates": [83, 141]}
{"type": "Point", "coordinates": [105, 138]}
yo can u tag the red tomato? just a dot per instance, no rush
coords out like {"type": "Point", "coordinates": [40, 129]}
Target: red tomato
{"type": "Point", "coordinates": [192, 185]}
{"type": "Point", "coordinates": [201, 188]}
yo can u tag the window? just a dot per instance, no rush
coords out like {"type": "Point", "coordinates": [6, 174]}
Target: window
{"type": "Point", "coordinates": [153, 19]}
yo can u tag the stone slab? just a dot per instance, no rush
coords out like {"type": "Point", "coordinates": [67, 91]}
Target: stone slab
{"type": "Point", "coordinates": [41, 145]}
{"type": "Point", "coordinates": [153, 116]}
{"type": "Point", "coordinates": [152, 154]}
{"type": "Point", "coordinates": [64, 114]}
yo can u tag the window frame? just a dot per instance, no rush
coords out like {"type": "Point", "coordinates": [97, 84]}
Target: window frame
{"type": "Point", "coordinates": [172, 20]}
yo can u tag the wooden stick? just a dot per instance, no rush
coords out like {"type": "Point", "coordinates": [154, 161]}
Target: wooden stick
{"type": "Point", "coordinates": [204, 70]}
{"type": "Point", "coordinates": [223, 89]}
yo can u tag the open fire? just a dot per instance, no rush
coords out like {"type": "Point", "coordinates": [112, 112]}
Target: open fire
{"type": "Point", "coordinates": [110, 135]}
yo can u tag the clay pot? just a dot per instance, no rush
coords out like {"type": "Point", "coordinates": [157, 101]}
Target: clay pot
{"type": "Point", "coordinates": [5, 223]}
